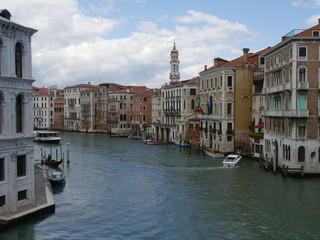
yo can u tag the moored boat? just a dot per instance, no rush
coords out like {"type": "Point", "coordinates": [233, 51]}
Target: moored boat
{"type": "Point", "coordinates": [57, 178]}
{"type": "Point", "coordinates": [214, 153]}
{"type": "Point", "coordinates": [51, 162]}
{"type": "Point", "coordinates": [183, 143]}
{"type": "Point", "coordinates": [232, 160]}
{"type": "Point", "coordinates": [154, 142]}
{"type": "Point", "coordinates": [47, 137]}
{"type": "Point", "coordinates": [118, 135]}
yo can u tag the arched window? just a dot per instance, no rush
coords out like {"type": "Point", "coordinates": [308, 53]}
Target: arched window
{"type": "Point", "coordinates": [18, 60]}
{"type": "Point", "coordinates": [302, 74]}
{"type": "Point", "coordinates": [290, 74]}
{"type": "Point", "coordinates": [301, 154]}
{"type": "Point", "coordinates": [283, 78]}
{"type": "Point", "coordinates": [192, 103]}
{"type": "Point", "coordinates": [1, 113]}
{"type": "Point", "coordinates": [302, 102]}
{"type": "Point", "coordinates": [1, 46]}
{"type": "Point", "coordinates": [211, 104]}
{"type": "Point", "coordinates": [19, 113]}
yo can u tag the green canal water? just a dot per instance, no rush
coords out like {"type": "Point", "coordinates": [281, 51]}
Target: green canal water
{"type": "Point", "coordinates": [124, 189]}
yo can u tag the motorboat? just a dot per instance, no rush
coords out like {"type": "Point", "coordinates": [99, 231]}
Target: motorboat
{"type": "Point", "coordinates": [214, 153]}
{"type": "Point", "coordinates": [47, 137]}
{"type": "Point", "coordinates": [232, 160]}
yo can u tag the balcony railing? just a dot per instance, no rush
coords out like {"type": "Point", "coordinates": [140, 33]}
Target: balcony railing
{"type": "Point", "coordinates": [302, 85]}
{"type": "Point", "coordinates": [210, 117]}
{"type": "Point", "coordinates": [287, 113]}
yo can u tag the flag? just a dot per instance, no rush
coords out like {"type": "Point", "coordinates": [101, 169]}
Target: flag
{"type": "Point", "coordinates": [209, 108]}
{"type": "Point", "coordinates": [201, 110]}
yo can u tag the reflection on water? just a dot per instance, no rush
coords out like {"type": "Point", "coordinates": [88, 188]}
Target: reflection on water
{"type": "Point", "coordinates": [124, 189]}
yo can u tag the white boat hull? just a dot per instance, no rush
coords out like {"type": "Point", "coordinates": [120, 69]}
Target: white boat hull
{"type": "Point", "coordinates": [214, 154]}
{"type": "Point", "coordinates": [232, 160]}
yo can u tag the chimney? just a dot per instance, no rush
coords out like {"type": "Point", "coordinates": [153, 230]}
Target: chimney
{"type": "Point", "coordinates": [205, 67]}
{"type": "Point", "coordinates": [245, 56]}
{"type": "Point", "coordinates": [215, 62]}
{"type": "Point", "coordinates": [318, 21]}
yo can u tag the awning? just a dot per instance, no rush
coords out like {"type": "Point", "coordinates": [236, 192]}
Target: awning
{"type": "Point", "coordinates": [261, 125]}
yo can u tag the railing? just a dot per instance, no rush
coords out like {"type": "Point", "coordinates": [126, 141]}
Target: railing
{"type": "Point", "coordinates": [303, 85]}
{"type": "Point", "coordinates": [210, 117]}
{"type": "Point", "coordinates": [286, 113]}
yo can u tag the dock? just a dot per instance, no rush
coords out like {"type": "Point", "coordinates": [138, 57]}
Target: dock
{"type": "Point", "coordinates": [44, 201]}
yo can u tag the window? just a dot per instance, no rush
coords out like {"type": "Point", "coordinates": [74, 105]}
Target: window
{"type": "Point", "coordinates": [192, 91]}
{"type": "Point", "coordinates": [261, 60]}
{"type": "Point", "coordinates": [290, 53]}
{"type": "Point", "coordinates": [1, 113]}
{"type": "Point", "coordinates": [22, 195]}
{"type": "Point", "coordinates": [315, 33]}
{"type": "Point", "coordinates": [302, 102]}
{"type": "Point", "coordinates": [301, 154]}
{"type": "Point", "coordinates": [21, 166]}
{"type": "Point", "coordinates": [2, 172]}
{"type": "Point", "coordinates": [19, 113]}
{"type": "Point", "coordinates": [1, 46]}
{"type": "Point", "coordinates": [18, 60]}
{"type": "Point", "coordinates": [192, 104]}
{"type": "Point", "coordinates": [229, 108]}
{"type": "Point", "coordinates": [302, 74]}
{"type": "Point", "coordinates": [301, 130]}
{"type": "Point", "coordinates": [302, 52]}
{"type": "Point", "coordinates": [2, 200]}
{"type": "Point", "coordinates": [229, 82]}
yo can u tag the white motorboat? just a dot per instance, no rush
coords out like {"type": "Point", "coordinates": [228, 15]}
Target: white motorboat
{"type": "Point", "coordinates": [231, 160]}
{"type": "Point", "coordinates": [47, 137]}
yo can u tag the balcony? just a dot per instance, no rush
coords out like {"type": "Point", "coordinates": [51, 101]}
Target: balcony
{"type": "Point", "coordinates": [274, 89]}
{"type": "Point", "coordinates": [287, 113]}
{"type": "Point", "coordinates": [210, 117]}
{"type": "Point", "coordinates": [172, 111]}
{"type": "Point", "coordinates": [302, 85]}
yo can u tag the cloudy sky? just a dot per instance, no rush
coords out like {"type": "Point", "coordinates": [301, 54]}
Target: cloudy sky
{"type": "Point", "coordinates": [129, 41]}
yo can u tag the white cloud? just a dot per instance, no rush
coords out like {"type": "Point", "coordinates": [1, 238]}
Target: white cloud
{"type": "Point", "coordinates": [306, 4]}
{"type": "Point", "coordinates": [72, 47]}
{"type": "Point", "coordinates": [313, 20]}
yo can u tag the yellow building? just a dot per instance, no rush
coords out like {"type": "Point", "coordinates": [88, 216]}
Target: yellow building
{"type": "Point", "coordinates": [226, 102]}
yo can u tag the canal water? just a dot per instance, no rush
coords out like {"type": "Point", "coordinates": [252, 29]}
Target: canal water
{"type": "Point", "coordinates": [120, 188]}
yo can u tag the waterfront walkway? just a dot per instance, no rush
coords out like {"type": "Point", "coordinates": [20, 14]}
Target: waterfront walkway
{"type": "Point", "coordinates": [44, 200]}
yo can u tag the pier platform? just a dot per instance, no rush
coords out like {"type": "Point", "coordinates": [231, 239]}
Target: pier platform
{"type": "Point", "coordinates": [44, 201]}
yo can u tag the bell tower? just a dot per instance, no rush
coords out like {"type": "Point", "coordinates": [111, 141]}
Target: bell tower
{"type": "Point", "coordinates": [174, 63]}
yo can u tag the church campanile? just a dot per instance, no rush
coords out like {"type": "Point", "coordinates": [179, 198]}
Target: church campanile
{"type": "Point", "coordinates": [174, 63]}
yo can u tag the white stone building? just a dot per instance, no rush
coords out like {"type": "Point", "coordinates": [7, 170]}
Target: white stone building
{"type": "Point", "coordinates": [72, 106]}
{"type": "Point", "coordinates": [17, 186]}
{"type": "Point", "coordinates": [43, 107]}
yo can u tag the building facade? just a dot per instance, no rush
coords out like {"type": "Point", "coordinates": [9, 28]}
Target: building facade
{"type": "Point", "coordinates": [72, 106]}
{"type": "Point", "coordinates": [17, 186]}
{"type": "Point", "coordinates": [226, 101]}
{"type": "Point", "coordinates": [292, 100]}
